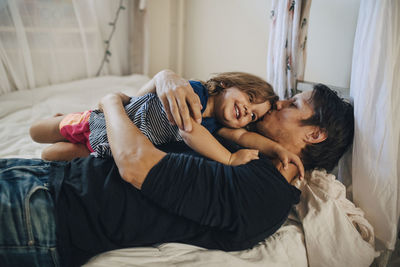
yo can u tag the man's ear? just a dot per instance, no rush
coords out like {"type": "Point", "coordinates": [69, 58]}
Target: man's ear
{"type": "Point", "coordinates": [316, 135]}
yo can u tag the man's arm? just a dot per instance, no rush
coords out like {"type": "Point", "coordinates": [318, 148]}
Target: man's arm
{"type": "Point", "coordinates": [223, 197]}
{"type": "Point", "coordinates": [133, 153]}
{"type": "Point", "coordinates": [149, 87]}
{"type": "Point", "coordinates": [203, 142]}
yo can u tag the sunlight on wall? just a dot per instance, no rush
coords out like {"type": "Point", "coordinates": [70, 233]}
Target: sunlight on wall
{"type": "Point", "coordinates": [330, 41]}
{"type": "Point", "coordinates": [227, 35]}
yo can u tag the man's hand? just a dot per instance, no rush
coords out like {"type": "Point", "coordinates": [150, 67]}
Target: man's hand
{"type": "Point", "coordinates": [243, 156]}
{"type": "Point", "coordinates": [179, 100]}
{"type": "Point", "coordinates": [287, 157]}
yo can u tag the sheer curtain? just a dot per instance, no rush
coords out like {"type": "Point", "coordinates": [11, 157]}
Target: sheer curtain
{"type": "Point", "coordinates": [375, 88]}
{"type": "Point", "coordinates": [46, 42]}
{"type": "Point", "coordinates": [287, 45]}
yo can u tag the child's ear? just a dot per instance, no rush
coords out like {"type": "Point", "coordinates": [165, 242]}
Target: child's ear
{"type": "Point", "coordinates": [316, 135]}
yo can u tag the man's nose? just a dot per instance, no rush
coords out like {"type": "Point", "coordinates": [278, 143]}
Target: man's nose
{"type": "Point", "coordinates": [281, 104]}
{"type": "Point", "coordinates": [246, 109]}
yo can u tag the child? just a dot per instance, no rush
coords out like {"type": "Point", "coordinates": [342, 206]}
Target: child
{"type": "Point", "coordinates": [232, 99]}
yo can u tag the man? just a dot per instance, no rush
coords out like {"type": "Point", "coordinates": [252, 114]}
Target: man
{"type": "Point", "coordinates": [160, 198]}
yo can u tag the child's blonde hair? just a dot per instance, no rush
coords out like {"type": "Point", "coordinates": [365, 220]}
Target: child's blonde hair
{"type": "Point", "coordinates": [256, 87]}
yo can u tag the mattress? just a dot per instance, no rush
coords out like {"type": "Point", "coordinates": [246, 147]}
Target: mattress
{"type": "Point", "coordinates": [287, 247]}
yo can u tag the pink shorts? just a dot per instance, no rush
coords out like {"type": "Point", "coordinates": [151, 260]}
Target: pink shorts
{"type": "Point", "coordinates": [75, 128]}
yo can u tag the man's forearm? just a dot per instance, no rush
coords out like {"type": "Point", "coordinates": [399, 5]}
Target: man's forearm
{"type": "Point", "coordinates": [133, 153]}
{"type": "Point", "coordinates": [149, 87]}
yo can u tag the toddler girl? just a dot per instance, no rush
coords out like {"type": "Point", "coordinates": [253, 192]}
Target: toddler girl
{"type": "Point", "coordinates": [229, 100]}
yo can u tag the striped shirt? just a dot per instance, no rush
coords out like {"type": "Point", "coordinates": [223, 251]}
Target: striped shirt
{"type": "Point", "coordinates": [148, 114]}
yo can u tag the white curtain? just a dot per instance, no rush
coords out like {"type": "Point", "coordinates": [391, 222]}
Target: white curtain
{"type": "Point", "coordinates": [46, 42]}
{"type": "Point", "coordinates": [375, 88]}
{"type": "Point", "coordinates": [287, 45]}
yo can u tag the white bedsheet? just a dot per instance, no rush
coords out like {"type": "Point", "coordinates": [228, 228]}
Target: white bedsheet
{"type": "Point", "coordinates": [287, 247]}
{"type": "Point", "coordinates": [336, 232]}
{"type": "Point", "coordinates": [19, 109]}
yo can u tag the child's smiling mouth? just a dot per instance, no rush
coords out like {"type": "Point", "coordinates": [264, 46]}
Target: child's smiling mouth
{"type": "Point", "coordinates": [237, 112]}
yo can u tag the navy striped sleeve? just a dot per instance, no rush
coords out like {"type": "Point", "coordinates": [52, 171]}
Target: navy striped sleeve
{"type": "Point", "coordinates": [210, 123]}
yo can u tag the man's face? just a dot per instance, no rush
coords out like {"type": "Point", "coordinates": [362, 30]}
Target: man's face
{"type": "Point", "coordinates": [283, 124]}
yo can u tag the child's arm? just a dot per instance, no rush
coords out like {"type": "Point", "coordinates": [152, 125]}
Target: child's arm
{"type": "Point", "coordinates": [264, 145]}
{"type": "Point", "coordinates": [202, 141]}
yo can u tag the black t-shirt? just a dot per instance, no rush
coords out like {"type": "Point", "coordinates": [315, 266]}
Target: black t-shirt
{"type": "Point", "coordinates": [184, 199]}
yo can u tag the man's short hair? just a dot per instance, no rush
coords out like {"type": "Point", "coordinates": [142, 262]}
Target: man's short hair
{"type": "Point", "coordinates": [335, 116]}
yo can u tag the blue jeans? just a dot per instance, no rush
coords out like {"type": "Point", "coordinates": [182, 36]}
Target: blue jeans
{"type": "Point", "coordinates": [27, 219]}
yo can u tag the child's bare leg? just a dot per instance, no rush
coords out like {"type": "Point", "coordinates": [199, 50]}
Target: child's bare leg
{"type": "Point", "coordinates": [47, 130]}
{"type": "Point", "coordinates": [65, 151]}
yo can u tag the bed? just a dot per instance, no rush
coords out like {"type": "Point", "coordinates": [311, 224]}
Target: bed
{"type": "Point", "coordinates": [325, 229]}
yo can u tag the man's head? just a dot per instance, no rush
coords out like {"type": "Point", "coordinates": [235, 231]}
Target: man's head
{"type": "Point", "coordinates": [316, 125]}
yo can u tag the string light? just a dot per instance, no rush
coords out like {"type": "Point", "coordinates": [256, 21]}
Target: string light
{"type": "Point", "coordinates": [113, 24]}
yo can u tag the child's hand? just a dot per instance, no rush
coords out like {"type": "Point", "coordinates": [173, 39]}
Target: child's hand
{"type": "Point", "coordinates": [243, 156]}
{"type": "Point", "coordinates": [286, 156]}
{"type": "Point", "coordinates": [290, 173]}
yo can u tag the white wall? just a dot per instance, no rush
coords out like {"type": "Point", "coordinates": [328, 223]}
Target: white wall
{"type": "Point", "coordinates": [227, 35]}
{"type": "Point", "coordinates": [159, 22]}
{"type": "Point", "coordinates": [219, 35]}
{"type": "Point", "coordinates": [331, 30]}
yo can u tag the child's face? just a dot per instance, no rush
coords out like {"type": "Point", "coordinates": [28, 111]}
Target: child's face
{"type": "Point", "coordinates": [235, 108]}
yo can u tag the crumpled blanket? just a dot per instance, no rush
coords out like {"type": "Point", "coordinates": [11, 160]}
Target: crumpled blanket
{"type": "Point", "coordinates": [336, 232]}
